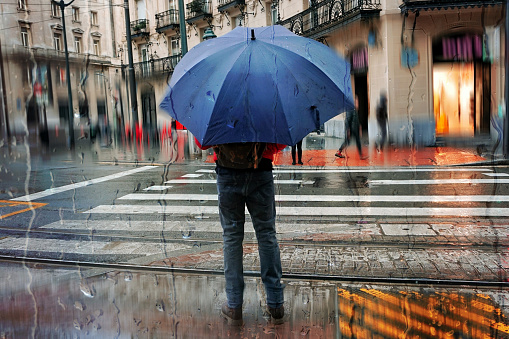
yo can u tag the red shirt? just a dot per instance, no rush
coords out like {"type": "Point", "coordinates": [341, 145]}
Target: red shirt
{"type": "Point", "coordinates": [269, 152]}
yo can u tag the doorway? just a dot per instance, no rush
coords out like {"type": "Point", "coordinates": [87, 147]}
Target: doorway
{"type": "Point", "coordinates": [148, 108]}
{"type": "Point", "coordinates": [361, 91]}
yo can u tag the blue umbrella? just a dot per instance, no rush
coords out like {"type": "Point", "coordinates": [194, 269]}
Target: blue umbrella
{"type": "Point", "coordinates": [258, 85]}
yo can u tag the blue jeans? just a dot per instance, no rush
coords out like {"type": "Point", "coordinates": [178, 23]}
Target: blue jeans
{"type": "Point", "coordinates": [254, 189]}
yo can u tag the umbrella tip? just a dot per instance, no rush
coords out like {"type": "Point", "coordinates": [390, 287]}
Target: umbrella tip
{"type": "Point", "coordinates": [252, 35]}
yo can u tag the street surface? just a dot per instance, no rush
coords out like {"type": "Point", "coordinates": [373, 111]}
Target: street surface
{"type": "Point", "coordinates": [341, 230]}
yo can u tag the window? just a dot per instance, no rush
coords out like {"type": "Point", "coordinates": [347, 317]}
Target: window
{"type": "Point", "coordinates": [93, 19]}
{"type": "Point", "coordinates": [25, 36]}
{"type": "Point", "coordinates": [175, 48]}
{"type": "Point", "coordinates": [97, 47]}
{"type": "Point", "coordinates": [55, 10]}
{"type": "Point", "coordinates": [22, 5]}
{"type": "Point", "coordinates": [237, 21]}
{"type": "Point", "coordinates": [57, 41]}
{"type": "Point", "coordinates": [77, 44]}
{"type": "Point", "coordinates": [75, 14]}
{"type": "Point", "coordinates": [274, 12]}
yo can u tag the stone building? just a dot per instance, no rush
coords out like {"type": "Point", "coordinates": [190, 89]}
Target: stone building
{"type": "Point", "coordinates": [35, 99]}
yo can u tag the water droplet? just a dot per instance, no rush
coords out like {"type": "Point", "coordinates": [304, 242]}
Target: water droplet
{"type": "Point", "coordinates": [87, 291]}
{"type": "Point", "coordinates": [187, 234]}
{"type": "Point", "coordinates": [160, 306]}
{"type": "Point", "coordinates": [211, 96]}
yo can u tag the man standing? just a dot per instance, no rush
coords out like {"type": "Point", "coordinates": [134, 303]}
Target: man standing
{"type": "Point", "coordinates": [244, 179]}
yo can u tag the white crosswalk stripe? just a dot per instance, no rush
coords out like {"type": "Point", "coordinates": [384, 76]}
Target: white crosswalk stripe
{"type": "Point", "coordinates": [328, 198]}
{"type": "Point", "coordinates": [310, 211]}
{"type": "Point", "coordinates": [213, 181]}
{"type": "Point", "coordinates": [198, 213]}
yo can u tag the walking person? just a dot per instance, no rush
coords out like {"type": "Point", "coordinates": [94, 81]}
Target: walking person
{"type": "Point", "coordinates": [351, 130]}
{"type": "Point", "coordinates": [297, 148]}
{"type": "Point", "coordinates": [244, 179]}
{"type": "Point", "coordinates": [381, 117]}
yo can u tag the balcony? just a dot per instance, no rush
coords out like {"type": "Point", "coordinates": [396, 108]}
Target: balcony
{"type": "Point", "coordinates": [198, 10]}
{"type": "Point", "coordinates": [224, 5]}
{"type": "Point", "coordinates": [155, 68]}
{"type": "Point", "coordinates": [417, 5]}
{"type": "Point", "coordinates": [324, 17]}
{"type": "Point", "coordinates": [140, 28]}
{"type": "Point", "coordinates": [167, 20]}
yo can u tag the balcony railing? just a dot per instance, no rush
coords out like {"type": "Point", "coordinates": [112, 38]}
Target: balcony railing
{"type": "Point", "coordinates": [158, 67]}
{"type": "Point", "coordinates": [167, 20]}
{"type": "Point", "coordinates": [223, 5]}
{"type": "Point", "coordinates": [317, 19]}
{"type": "Point", "coordinates": [139, 28]}
{"type": "Point", "coordinates": [198, 10]}
{"type": "Point", "coordinates": [416, 5]}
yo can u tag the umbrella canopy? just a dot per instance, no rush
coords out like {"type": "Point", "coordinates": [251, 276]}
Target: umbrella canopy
{"type": "Point", "coordinates": [261, 84]}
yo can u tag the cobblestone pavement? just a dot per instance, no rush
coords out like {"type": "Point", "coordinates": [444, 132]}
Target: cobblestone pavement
{"type": "Point", "coordinates": [469, 251]}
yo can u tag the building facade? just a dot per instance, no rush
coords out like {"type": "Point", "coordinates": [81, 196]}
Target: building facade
{"type": "Point", "coordinates": [440, 63]}
{"type": "Point", "coordinates": [35, 99]}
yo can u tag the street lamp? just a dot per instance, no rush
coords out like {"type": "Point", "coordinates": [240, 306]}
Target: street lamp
{"type": "Point", "coordinates": [70, 142]}
{"type": "Point", "coordinates": [208, 34]}
{"type": "Point", "coordinates": [132, 83]}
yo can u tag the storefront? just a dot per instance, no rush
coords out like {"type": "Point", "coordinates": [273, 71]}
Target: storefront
{"type": "Point", "coordinates": [461, 86]}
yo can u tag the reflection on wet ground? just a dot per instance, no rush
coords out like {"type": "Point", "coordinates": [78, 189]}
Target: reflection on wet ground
{"type": "Point", "coordinates": [318, 151]}
{"type": "Point", "coordinates": [45, 301]}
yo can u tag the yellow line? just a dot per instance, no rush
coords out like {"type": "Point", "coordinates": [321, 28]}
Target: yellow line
{"type": "Point", "coordinates": [33, 206]}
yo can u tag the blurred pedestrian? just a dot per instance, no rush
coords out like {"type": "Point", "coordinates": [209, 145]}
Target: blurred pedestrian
{"type": "Point", "coordinates": [244, 179]}
{"type": "Point", "coordinates": [352, 126]}
{"type": "Point", "coordinates": [297, 148]}
{"type": "Point", "coordinates": [381, 117]}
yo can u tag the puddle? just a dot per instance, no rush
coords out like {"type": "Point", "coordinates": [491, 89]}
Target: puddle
{"type": "Point", "coordinates": [127, 304]}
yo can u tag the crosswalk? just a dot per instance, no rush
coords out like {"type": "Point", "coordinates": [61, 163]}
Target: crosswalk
{"type": "Point", "coordinates": [186, 206]}
{"type": "Point", "coordinates": [170, 202]}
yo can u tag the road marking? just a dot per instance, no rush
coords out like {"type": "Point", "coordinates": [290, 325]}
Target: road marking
{"type": "Point", "coordinates": [192, 175]}
{"type": "Point", "coordinates": [10, 204]}
{"type": "Point", "coordinates": [497, 174]}
{"type": "Point", "coordinates": [328, 198]}
{"type": "Point", "coordinates": [311, 211]}
{"type": "Point", "coordinates": [89, 247]}
{"type": "Point", "coordinates": [186, 228]}
{"type": "Point", "coordinates": [157, 188]}
{"type": "Point", "coordinates": [61, 189]}
{"type": "Point", "coordinates": [364, 170]}
{"type": "Point", "coordinates": [408, 229]}
{"type": "Point", "coordinates": [213, 181]}
{"type": "Point", "coordinates": [438, 181]}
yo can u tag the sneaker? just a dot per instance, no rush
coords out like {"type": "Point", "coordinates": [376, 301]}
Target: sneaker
{"type": "Point", "coordinates": [300, 163]}
{"type": "Point", "coordinates": [232, 315]}
{"type": "Point", "coordinates": [276, 314]}
{"type": "Point", "coordinates": [339, 154]}
{"type": "Point", "coordinates": [293, 163]}
{"type": "Point", "coordinates": [363, 157]}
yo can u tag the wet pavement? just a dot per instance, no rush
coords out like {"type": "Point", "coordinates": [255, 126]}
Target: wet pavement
{"type": "Point", "coordinates": [346, 277]}
{"type": "Point", "coordinates": [46, 301]}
